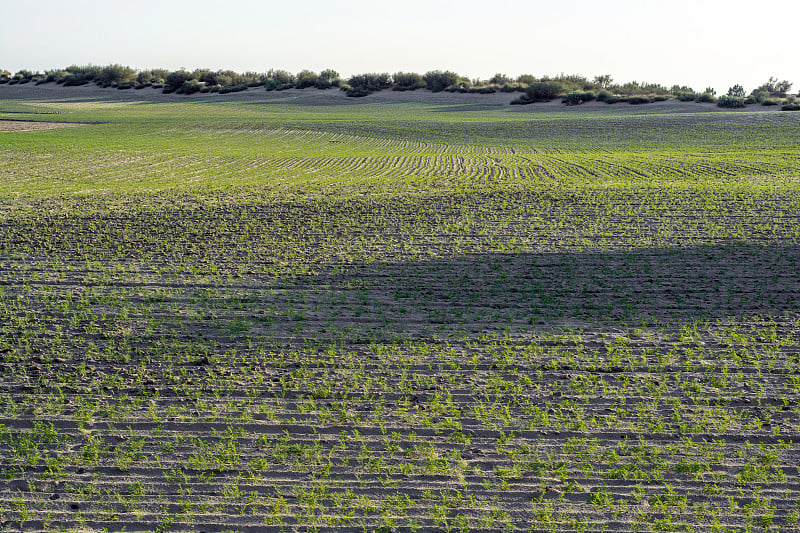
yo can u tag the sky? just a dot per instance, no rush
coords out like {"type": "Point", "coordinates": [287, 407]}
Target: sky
{"type": "Point", "coordinates": [696, 43]}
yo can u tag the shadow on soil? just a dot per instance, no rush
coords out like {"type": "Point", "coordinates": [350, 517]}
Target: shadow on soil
{"type": "Point", "coordinates": [498, 291]}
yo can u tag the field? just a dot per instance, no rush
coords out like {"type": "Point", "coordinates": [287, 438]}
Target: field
{"type": "Point", "coordinates": [299, 312]}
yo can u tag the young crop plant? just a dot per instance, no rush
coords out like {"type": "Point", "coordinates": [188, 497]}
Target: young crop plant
{"type": "Point", "coordinates": [375, 314]}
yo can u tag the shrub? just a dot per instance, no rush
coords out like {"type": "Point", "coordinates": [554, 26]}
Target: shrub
{"type": "Point", "coordinates": [736, 91]}
{"type": "Point", "coordinates": [791, 107]}
{"type": "Point", "coordinates": [770, 101]}
{"type": "Point", "coordinates": [146, 77]}
{"type": "Point", "coordinates": [279, 80]}
{"type": "Point", "coordinates": [88, 72]}
{"type": "Point", "coordinates": [607, 96]}
{"type": "Point", "coordinates": [230, 89]}
{"type": "Point", "coordinates": [544, 91]}
{"type": "Point", "coordinates": [687, 96]}
{"type": "Point", "coordinates": [461, 86]}
{"type": "Point", "coordinates": [499, 79]}
{"type": "Point", "coordinates": [511, 87]}
{"type": "Point", "coordinates": [727, 100]}
{"type": "Point", "coordinates": [603, 81]}
{"type": "Point", "coordinates": [356, 92]}
{"type": "Point", "coordinates": [73, 80]}
{"type": "Point", "coordinates": [578, 97]}
{"type": "Point", "coordinates": [775, 88]}
{"type": "Point", "coordinates": [364, 84]}
{"type": "Point", "coordinates": [760, 95]}
{"type": "Point", "coordinates": [407, 81]}
{"type": "Point", "coordinates": [190, 87]}
{"type": "Point", "coordinates": [306, 78]}
{"type": "Point", "coordinates": [116, 74]}
{"type": "Point", "coordinates": [522, 100]}
{"type": "Point", "coordinates": [705, 97]}
{"type": "Point", "coordinates": [526, 79]}
{"type": "Point", "coordinates": [175, 80]}
{"type": "Point", "coordinates": [327, 78]}
{"type": "Point", "coordinates": [55, 76]}
{"type": "Point", "coordinates": [638, 100]}
{"type": "Point", "coordinates": [483, 89]}
{"type": "Point", "coordinates": [437, 80]}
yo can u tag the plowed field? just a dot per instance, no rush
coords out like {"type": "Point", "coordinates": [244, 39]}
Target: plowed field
{"type": "Point", "coordinates": [270, 313]}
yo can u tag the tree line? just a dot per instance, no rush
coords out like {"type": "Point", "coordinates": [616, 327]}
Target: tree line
{"type": "Point", "coordinates": [571, 89]}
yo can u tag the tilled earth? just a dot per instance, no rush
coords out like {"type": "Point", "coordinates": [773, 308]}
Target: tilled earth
{"type": "Point", "coordinates": [444, 364]}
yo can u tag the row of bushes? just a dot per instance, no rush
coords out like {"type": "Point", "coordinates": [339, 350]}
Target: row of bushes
{"type": "Point", "coordinates": [572, 89]}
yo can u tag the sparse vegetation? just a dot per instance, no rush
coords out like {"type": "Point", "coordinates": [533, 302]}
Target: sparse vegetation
{"type": "Point", "coordinates": [221, 315]}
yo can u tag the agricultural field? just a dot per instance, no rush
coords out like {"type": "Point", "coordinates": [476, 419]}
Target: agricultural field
{"type": "Point", "coordinates": [299, 312]}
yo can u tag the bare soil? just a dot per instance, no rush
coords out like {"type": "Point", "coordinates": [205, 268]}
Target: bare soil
{"type": "Point", "coordinates": [28, 125]}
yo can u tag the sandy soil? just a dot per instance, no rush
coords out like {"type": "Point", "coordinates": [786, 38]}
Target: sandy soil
{"type": "Point", "coordinates": [336, 97]}
{"type": "Point", "coordinates": [28, 125]}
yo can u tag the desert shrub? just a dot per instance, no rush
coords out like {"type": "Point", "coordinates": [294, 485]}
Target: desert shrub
{"type": "Point", "coordinates": [407, 81]}
{"type": "Point", "coordinates": [603, 81]}
{"type": "Point", "coordinates": [705, 97]}
{"type": "Point", "coordinates": [544, 91]}
{"type": "Point", "coordinates": [511, 87]}
{"type": "Point", "coordinates": [687, 96]}
{"type": "Point", "coordinates": [790, 107]}
{"type": "Point", "coordinates": [191, 87]}
{"type": "Point", "coordinates": [279, 80]}
{"type": "Point", "coordinates": [210, 78]}
{"type": "Point", "coordinates": [770, 101]}
{"type": "Point", "coordinates": [578, 97]}
{"type": "Point", "coordinates": [26, 75]}
{"type": "Point", "coordinates": [482, 89]}
{"type": "Point", "coordinates": [356, 92]}
{"type": "Point", "coordinates": [499, 79]}
{"type": "Point", "coordinates": [364, 84]}
{"type": "Point", "coordinates": [116, 74]}
{"type": "Point", "coordinates": [604, 95]}
{"type": "Point", "coordinates": [775, 88]}
{"type": "Point", "coordinates": [570, 82]}
{"type": "Point", "coordinates": [88, 72]}
{"type": "Point", "coordinates": [677, 90]}
{"type": "Point", "coordinates": [73, 80]}
{"type": "Point", "coordinates": [230, 89]}
{"type": "Point", "coordinates": [760, 95]}
{"type": "Point", "coordinates": [659, 98]}
{"type": "Point", "coordinates": [327, 78]}
{"type": "Point", "coordinates": [726, 100]}
{"type": "Point", "coordinates": [736, 91]}
{"type": "Point", "coordinates": [123, 86]}
{"type": "Point", "coordinates": [526, 79]}
{"type": "Point", "coordinates": [521, 100]}
{"type": "Point", "coordinates": [175, 80]}
{"type": "Point", "coordinates": [306, 78]}
{"type": "Point", "coordinates": [461, 86]}
{"type": "Point", "coordinates": [55, 76]}
{"type": "Point", "coordinates": [638, 100]}
{"type": "Point", "coordinates": [437, 80]}
{"type": "Point", "coordinates": [635, 88]}
{"type": "Point", "coordinates": [144, 77]}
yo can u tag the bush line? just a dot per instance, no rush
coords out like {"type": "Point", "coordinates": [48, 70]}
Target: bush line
{"type": "Point", "coordinates": [572, 89]}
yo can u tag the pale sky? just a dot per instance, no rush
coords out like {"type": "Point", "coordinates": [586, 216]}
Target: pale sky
{"type": "Point", "coordinates": [689, 42]}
